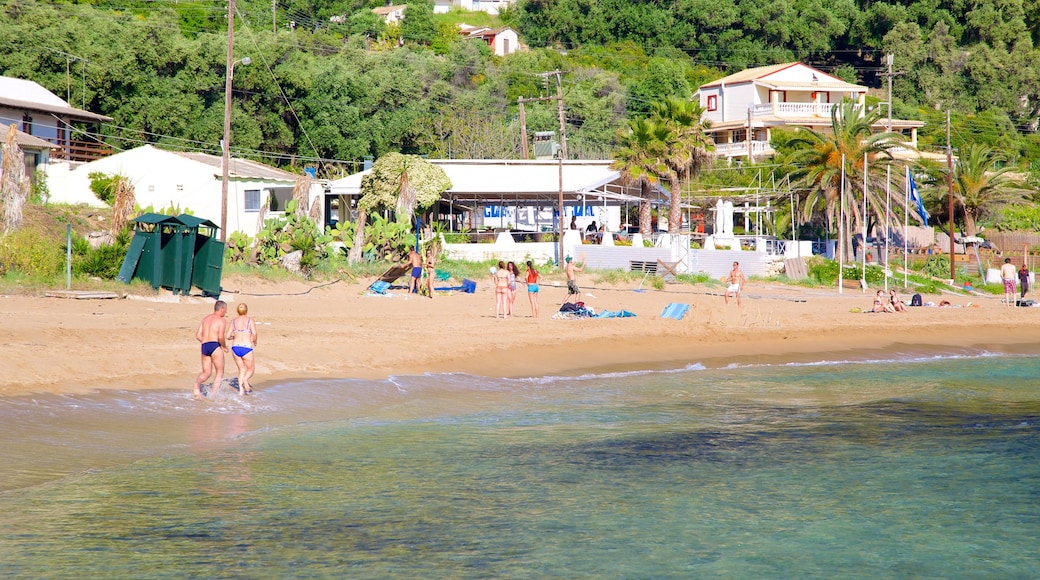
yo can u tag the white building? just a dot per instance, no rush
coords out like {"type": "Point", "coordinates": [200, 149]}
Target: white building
{"type": "Point", "coordinates": [745, 107]}
{"type": "Point", "coordinates": [490, 6]}
{"type": "Point", "coordinates": [502, 40]}
{"type": "Point", "coordinates": [391, 13]}
{"type": "Point", "coordinates": [38, 112]}
{"type": "Point", "coordinates": [35, 151]}
{"type": "Point", "coordinates": [520, 194]}
{"type": "Point", "coordinates": [188, 182]}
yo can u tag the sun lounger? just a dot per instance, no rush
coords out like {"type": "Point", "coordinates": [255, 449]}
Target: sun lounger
{"type": "Point", "coordinates": [675, 311]}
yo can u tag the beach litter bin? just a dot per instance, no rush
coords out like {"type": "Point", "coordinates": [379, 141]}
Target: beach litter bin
{"type": "Point", "coordinates": [208, 252]}
{"type": "Point", "coordinates": [153, 234]}
{"type": "Point", "coordinates": [175, 253]}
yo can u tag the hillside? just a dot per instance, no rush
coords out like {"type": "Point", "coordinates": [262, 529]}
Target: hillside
{"type": "Point", "coordinates": [329, 94]}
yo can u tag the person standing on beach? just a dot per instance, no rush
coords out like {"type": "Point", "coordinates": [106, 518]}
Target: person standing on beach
{"type": "Point", "coordinates": [431, 271]}
{"type": "Point", "coordinates": [500, 276]}
{"type": "Point", "coordinates": [514, 276]}
{"type": "Point", "coordinates": [572, 284]}
{"type": "Point", "coordinates": [211, 335]}
{"type": "Point", "coordinates": [1008, 273]}
{"type": "Point", "coordinates": [736, 283]}
{"type": "Point", "coordinates": [1023, 280]}
{"type": "Point", "coordinates": [533, 278]}
{"type": "Point", "coordinates": [416, 262]}
{"type": "Point", "coordinates": [242, 334]}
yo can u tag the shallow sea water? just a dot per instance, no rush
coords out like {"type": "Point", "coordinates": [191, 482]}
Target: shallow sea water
{"type": "Point", "coordinates": [909, 467]}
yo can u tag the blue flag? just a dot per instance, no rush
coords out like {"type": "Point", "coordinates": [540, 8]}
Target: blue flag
{"type": "Point", "coordinates": [916, 197]}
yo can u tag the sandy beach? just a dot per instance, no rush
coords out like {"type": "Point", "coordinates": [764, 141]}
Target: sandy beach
{"type": "Point", "coordinates": [61, 345]}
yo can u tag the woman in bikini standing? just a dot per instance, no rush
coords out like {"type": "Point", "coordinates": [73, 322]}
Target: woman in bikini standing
{"type": "Point", "coordinates": [533, 278]}
{"type": "Point", "coordinates": [514, 276]}
{"type": "Point", "coordinates": [501, 279]}
{"type": "Point", "coordinates": [431, 272]}
{"type": "Point", "coordinates": [242, 336]}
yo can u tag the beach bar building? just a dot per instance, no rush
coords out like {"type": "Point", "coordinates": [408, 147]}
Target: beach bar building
{"type": "Point", "coordinates": [508, 209]}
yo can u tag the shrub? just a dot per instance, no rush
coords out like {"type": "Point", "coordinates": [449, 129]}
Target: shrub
{"type": "Point", "coordinates": [826, 272]}
{"type": "Point", "coordinates": [937, 266]}
{"type": "Point", "coordinates": [30, 252]}
{"type": "Point", "coordinates": [103, 186]}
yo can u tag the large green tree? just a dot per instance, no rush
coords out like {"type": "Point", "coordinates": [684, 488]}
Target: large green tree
{"type": "Point", "coordinates": [401, 183]}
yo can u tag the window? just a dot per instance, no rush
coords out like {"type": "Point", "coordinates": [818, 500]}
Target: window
{"type": "Point", "coordinates": [713, 102]}
{"type": "Point", "coordinates": [252, 200]}
{"type": "Point", "coordinates": [279, 198]}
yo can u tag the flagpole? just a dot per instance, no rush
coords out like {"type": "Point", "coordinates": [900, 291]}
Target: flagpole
{"type": "Point", "coordinates": [864, 248]}
{"type": "Point", "coordinates": [906, 222]}
{"type": "Point", "coordinates": [888, 205]}
{"type": "Point", "coordinates": [841, 228]}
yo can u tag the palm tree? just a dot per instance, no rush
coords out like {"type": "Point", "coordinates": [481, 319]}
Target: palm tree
{"type": "Point", "coordinates": [978, 184]}
{"type": "Point", "coordinates": [817, 161]}
{"type": "Point", "coordinates": [688, 149]}
{"type": "Point", "coordinates": [641, 159]}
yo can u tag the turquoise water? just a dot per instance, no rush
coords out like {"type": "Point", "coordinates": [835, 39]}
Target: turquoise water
{"type": "Point", "coordinates": [900, 468]}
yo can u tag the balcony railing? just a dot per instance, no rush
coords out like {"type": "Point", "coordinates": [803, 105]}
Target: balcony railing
{"type": "Point", "coordinates": [79, 150]}
{"type": "Point", "coordinates": [740, 149]}
{"type": "Point", "coordinates": [792, 110]}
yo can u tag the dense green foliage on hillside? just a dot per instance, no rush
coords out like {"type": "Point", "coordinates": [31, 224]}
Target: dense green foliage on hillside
{"type": "Point", "coordinates": [333, 83]}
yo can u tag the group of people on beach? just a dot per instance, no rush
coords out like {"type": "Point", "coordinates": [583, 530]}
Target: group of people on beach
{"type": "Point", "coordinates": [893, 304]}
{"type": "Point", "coordinates": [215, 332]}
{"type": "Point", "coordinates": [1008, 274]}
{"type": "Point", "coordinates": [505, 278]}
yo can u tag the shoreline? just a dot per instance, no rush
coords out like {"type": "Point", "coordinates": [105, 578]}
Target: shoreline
{"type": "Point", "coordinates": [59, 345]}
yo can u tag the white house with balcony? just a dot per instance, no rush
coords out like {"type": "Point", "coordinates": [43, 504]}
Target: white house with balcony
{"type": "Point", "coordinates": [744, 108]}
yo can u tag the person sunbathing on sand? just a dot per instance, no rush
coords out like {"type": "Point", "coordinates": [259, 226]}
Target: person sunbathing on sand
{"type": "Point", "coordinates": [879, 303]}
{"type": "Point", "coordinates": [896, 302]}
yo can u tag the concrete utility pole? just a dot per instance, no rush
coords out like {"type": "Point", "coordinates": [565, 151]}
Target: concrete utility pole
{"type": "Point", "coordinates": [890, 59]}
{"type": "Point", "coordinates": [563, 143]}
{"type": "Point", "coordinates": [523, 130]}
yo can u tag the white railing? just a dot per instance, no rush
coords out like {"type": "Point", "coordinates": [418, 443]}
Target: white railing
{"type": "Point", "coordinates": [792, 110]}
{"type": "Point", "coordinates": [741, 148]}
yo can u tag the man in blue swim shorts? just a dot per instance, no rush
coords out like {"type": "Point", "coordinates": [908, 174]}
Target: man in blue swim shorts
{"type": "Point", "coordinates": [211, 334]}
{"type": "Point", "coordinates": [416, 261]}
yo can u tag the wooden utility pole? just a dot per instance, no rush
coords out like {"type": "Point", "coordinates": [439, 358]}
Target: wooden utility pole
{"type": "Point", "coordinates": [562, 155]}
{"type": "Point", "coordinates": [225, 144]}
{"type": "Point", "coordinates": [949, 183]}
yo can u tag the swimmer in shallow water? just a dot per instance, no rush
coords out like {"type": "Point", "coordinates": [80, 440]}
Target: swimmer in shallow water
{"type": "Point", "coordinates": [242, 335]}
{"type": "Point", "coordinates": [211, 335]}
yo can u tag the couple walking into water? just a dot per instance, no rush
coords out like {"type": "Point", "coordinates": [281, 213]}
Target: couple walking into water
{"type": "Point", "coordinates": [214, 333]}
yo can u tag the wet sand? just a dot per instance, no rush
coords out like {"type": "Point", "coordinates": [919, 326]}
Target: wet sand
{"type": "Point", "coordinates": [56, 345]}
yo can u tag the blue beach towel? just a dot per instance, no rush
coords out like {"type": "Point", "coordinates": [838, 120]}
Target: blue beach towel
{"type": "Point", "coordinates": [675, 310]}
{"type": "Point", "coordinates": [615, 314]}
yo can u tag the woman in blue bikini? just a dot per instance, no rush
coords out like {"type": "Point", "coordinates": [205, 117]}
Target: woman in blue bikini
{"type": "Point", "coordinates": [242, 336]}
